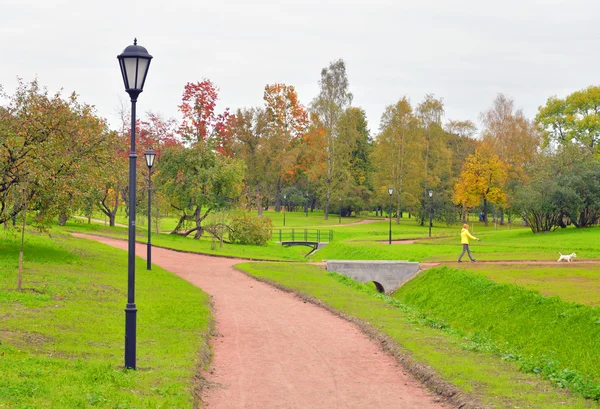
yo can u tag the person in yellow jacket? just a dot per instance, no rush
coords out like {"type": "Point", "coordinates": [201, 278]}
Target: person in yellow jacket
{"type": "Point", "coordinates": [464, 240]}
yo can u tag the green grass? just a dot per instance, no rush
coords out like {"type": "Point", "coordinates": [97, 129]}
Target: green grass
{"type": "Point", "coordinates": [544, 335]}
{"type": "Point", "coordinates": [495, 382]}
{"type": "Point", "coordinates": [272, 251]}
{"type": "Point", "coordinates": [572, 282]}
{"type": "Point", "coordinates": [62, 337]}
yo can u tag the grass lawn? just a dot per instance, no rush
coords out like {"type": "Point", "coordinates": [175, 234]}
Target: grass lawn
{"type": "Point", "coordinates": [422, 336]}
{"type": "Point", "coordinates": [62, 337]}
{"type": "Point", "coordinates": [579, 283]}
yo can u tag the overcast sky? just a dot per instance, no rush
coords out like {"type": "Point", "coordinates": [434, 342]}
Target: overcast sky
{"type": "Point", "coordinates": [462, 51]}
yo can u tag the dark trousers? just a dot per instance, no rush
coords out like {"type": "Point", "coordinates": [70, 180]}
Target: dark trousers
{"type": "Point", "coordinates": [465, 248]}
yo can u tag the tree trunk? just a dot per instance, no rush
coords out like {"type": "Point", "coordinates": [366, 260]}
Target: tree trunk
{"type": "Point", "coordinates": [62, 218]}
{"type": "Point", "coordinates": [180, 223]}
{"type": "Point", "coordinates": [485, 218]}
{"type": "Point", "coordinates": [259, 202]}
{"type": "Point", "coordinates": [198, 219]}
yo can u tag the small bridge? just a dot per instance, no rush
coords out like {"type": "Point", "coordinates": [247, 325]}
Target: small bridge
{"type": "Point", "coordinates": [313, 238]}
{"type": "Point", "coordinates": [387, 275]}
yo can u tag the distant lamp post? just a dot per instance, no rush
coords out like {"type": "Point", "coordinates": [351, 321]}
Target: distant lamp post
{"type": "Point", "coordinates": [284, 197]}
{"type": "Point", "coordinates": [340, 213]}
{"type": "Point", "coordinates": [430, 210]}
{"type": "Point", "coordinates": [134, 62]}
{"type": "Point", "coordinates": [150, 156]}
{"type": "Point", "coordinates": [390, 191]}
{"type": "Point", "coordinates": [306, 194]}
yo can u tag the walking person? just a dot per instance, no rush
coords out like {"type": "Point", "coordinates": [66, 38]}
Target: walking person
{"type": "Point", "coordinates": [464, 240]}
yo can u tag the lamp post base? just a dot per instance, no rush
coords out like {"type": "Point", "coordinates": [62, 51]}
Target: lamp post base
{"type": "Point", "coordinates": [130, 335]}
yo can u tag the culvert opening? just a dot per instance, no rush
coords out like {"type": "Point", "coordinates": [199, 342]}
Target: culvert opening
{"type": "Point", "coordinates": [379, 287]}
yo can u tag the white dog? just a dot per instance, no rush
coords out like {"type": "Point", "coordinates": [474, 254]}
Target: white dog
{"type": "Point", "coordinates": [566, 257]}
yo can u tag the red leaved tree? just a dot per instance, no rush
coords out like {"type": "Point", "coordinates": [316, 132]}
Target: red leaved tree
{"type": "Point", "coordinates": [200, 122]}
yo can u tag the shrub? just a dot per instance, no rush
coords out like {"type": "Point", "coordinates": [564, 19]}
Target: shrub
{"type": "Point", "coordinates": [246, 228]}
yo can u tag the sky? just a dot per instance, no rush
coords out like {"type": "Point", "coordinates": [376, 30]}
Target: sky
{"type": "Point", "coordinates": [463, 51]}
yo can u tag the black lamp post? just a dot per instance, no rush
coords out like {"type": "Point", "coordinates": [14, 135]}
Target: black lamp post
{"type": "Point", "coordinates": [306, 194]}
{"type": "Point", "coordinates": [134, 62]}
{"type": "Point", "coordinates": [150, 155]}
{"type": "Point", "coordinates": [430, 210]}
{"type": "Point", "coordinates": [390, 191]}
{"type": "Point", "coordinates": [284, 196]}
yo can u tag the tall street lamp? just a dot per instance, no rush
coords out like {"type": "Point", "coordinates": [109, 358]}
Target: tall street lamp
{"type": "Point", "coordinates": [134, 62]}
{"type": "Point", "coordinates": [430, 210]}
{"type": "Point", "coordinates": [390, 191]}
{"type": "Point", "coordinates": [150, 155]}
{"type": "Point", "coordinates": [340, 213]}
{"type": "Point", "coordinates": [284, 196]}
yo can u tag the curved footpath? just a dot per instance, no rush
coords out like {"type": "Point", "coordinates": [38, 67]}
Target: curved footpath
{"type": "Point", "coordinates": [275, 351]}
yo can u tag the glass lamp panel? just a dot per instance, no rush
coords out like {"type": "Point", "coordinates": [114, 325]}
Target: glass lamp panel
{"type": "Point", "coordinates": [142, 69]}
{"type": "Point", "coordinates": [130, 71]}
{"type": "Point", "coordinates": [123, 72]}
{"type": "Point", "coordinates": [150, 158]}
{"type": "Point", "coordinates": [142, 72]}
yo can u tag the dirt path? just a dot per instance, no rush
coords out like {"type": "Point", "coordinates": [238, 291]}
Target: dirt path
{"type": "Point", "coordinates": [275, 351]}
{"type": "Point", "coordinates": [99, 221]}
{"type": "Point", "coordinates": [364, 221]}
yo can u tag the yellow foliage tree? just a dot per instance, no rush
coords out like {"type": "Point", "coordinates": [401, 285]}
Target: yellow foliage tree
{"type": "Point", "coordinates": [482, 178]}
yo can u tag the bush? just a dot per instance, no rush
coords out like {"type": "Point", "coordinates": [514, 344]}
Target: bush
{"type": "Point", "coordinates": [246, 228]}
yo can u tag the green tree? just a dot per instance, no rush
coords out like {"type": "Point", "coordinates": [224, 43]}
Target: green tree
{"type": "Point", "coordinates": [198, 180]}
{"type": "Point", "coordinates": [398, 155]}
{"type": "Point", "coordinates": [333, 99]}
{"type": "Point", "coordinates": [575, 118]}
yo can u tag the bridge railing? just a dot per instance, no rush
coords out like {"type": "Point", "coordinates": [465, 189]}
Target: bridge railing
{"type": "Point", "coordinates": [303, 235]}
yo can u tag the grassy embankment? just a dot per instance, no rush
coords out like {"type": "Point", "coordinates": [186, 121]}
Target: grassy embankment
{"type": "Point", "coordinates": [444, 318]}
{"type": "Point", "coordinates": [62, 337]}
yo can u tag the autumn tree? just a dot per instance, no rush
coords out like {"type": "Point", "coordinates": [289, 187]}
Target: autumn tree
{"type": "Point", "coordinates": [398, 154]}
{"type": "Point", "coordinates": [460, 140]}
{"type": "Point", "coordinates": [436, 163]}
{"type": "Point", "coordinates": [574, 119]}
{"type": "Point", "coordinates": [482, 179]}
{"type": "Point", "coordinates": [286, 123]}
{"type": "Point", "coordinates": [333, 99]}
{"type": "Point", "coordinates": [312, 161]}
{"type": "Point", "coordinates": [248, 131]}
{"type": "Point", "coordinates": [34, 127]}
{"type": "Point", "coordinates": [512, 137]}
{"type": "Point", "coordinates": [200, 121]}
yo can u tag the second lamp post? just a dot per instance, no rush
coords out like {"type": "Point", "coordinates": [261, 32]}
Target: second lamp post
{"type": "Point", "coordinates": [390, 191]}
{"type": "Point", "coordinates": [430, 193]}
{"type": "Point", "coordinates": [150, 155]}
{"type": "Point", "coordinates": [284, 196]}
